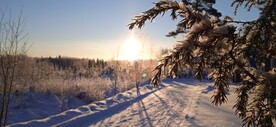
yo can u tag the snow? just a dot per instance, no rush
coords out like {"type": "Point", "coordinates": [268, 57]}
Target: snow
{"type": "Point", "coordinates": [177, 102]}
{"type": "Point", "coordinates": [39, 105]}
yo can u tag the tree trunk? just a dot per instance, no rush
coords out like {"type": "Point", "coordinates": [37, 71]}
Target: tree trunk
{"type": "Point", "coordinates": [3, 104]}
{"type": "Point", "coordinates": [267, 64]}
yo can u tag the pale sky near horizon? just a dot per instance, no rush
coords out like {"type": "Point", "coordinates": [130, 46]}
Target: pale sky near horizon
{"type": "Point", "coordinates": [95, 28]}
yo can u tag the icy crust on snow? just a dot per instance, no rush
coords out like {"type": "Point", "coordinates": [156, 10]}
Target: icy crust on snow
{"type": "Point", "coordinates": [178, 102]}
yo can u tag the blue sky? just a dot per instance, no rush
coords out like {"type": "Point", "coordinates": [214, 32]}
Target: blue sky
{"type": "Point", "coordinates": [94, 28]}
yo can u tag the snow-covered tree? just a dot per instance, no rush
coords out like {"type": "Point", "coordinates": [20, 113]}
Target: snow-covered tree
{"type": "Point", "coordinates": [216, 44]}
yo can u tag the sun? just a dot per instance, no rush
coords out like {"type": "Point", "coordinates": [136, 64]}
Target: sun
{"type": "Point", "coordinates": [130, 49]}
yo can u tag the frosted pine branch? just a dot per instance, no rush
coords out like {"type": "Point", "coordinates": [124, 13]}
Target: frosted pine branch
{"type": "Point", "coordinates": [212, 44]}
{"type": "Point", "coordinates": [202, 32]}
{"type": "Point", "coordinates": [160, 8]}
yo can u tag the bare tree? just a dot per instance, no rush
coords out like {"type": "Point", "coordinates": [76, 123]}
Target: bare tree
{"type": "Point", "coordinates": [12, 46]}
{"type": "Point", "coordinates": [137, 72]}
{"type": "Point", "coordinates": [116, 72]}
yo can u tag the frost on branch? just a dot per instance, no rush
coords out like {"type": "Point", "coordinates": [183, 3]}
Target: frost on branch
{"type": "Point", "coordinates": [213, 44]}
{"type": "Point", "coordinates": [204, 42]}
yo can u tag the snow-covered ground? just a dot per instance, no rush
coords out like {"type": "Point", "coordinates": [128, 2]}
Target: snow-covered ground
{"type": "Point", "coordinates": [178, 102]}
{"type": "Point", "coordinates": [39, 105]}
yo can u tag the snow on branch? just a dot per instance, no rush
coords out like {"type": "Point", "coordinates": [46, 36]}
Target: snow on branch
{"type": "Point", "coordinates": [202, 32]}
{"type": "Point", "coordinates": [160, 8]}
{"type": "Point", "coordinates": [213, 44]}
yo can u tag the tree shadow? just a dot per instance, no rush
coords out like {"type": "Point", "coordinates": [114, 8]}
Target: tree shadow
{"type": "Point", "coordinates": [138, 91]}
{"type": "Point", "coordinates": [91, 119]}
{"type": "Point", "coordinates": [143, 110]}
{"type": "Point", "coordinates": [207, 90]}
{"type": "Point", "coordinates": [184, 81]}
{"type": "Point", "coordinates": [179, 115]}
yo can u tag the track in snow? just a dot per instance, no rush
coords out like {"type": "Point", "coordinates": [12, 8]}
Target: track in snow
{"type": "Point", "coordinates": [180, 102]}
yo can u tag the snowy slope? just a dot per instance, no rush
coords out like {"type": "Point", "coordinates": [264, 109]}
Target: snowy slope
{"type": "Point", "coordinates": [180, 102]}
{"type": "Point", "coordinates": [30, 106]}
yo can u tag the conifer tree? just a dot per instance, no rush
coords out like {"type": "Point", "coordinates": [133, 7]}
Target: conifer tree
{"type": "Point", "coordinates": [217, 45]}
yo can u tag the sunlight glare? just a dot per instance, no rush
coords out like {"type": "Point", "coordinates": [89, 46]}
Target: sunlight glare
{"type": "Point", "coordinates": [131, 49]}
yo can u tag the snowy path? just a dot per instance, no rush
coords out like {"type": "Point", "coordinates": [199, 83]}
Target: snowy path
{"type": "Point", "coordinates": [174, 104]}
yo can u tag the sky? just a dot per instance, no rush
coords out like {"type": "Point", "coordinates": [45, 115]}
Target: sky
{"type": "Point", "coordinates": [96, 28]}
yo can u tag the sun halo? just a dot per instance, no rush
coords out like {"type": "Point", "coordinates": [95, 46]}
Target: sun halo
{"type": "Point", "coordinates": [131, 49]}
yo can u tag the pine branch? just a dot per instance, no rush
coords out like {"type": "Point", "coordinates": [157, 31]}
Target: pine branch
{"type": "Point", "coordinates": [247, 4]}
{"type": "Point", "coordinates": [238, 63]}
{"type": "Point", "coordinates": [197, 25]}
{"type": "Point", "coordinates": [242, 98]}
{"type": "Point", "coordinates": [240, 22]}
{"type": "Point", "coordinates": [213, 44]}
{"type": "Point", "coordinates": [221, 76]}
{"type": "Point", "coordinates": [258, 109]}
{"type": "Point", "coordinates": [174, 33]}
{"type": "Point", "coordinates": [160, 8]}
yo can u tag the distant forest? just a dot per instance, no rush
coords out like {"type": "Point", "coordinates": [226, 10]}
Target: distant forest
{"type": "Point", "coordinates": [65, 63]}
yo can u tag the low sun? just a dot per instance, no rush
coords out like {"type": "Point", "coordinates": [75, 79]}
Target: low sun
{"type": "Point", "coordinates": [131, 49]}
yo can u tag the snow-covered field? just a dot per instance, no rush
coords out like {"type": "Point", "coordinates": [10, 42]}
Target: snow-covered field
{"type": "Point", "coordinates": [178, 102]}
